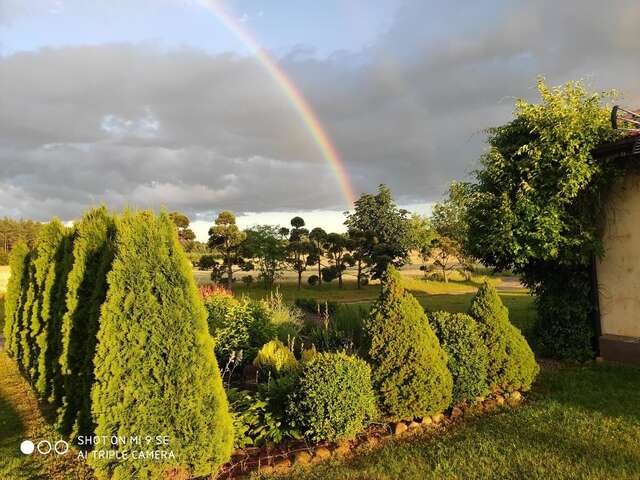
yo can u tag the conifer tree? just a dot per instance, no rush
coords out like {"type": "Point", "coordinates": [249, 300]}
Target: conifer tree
{"type": "Point", "coordinates": [93, 252]}
{"type": "Point", "coordinates": [460, 336]}
{"type": "Point", "coordinates": [56, 244]}
{"type": "Point", "coordinates": [37, 312]}
{"type": "Point", "coordinates": [19, 264]}
{"type": "Point", "coordinates": [512, 365]}
{"type": "Point", "coordinates": [409, 367]}
{"type": "Point", "coordinates": [155, 370]}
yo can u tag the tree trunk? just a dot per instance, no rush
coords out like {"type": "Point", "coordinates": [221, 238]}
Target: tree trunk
{"type": "Point", "coordinates": [340, 279]}
{"type": "Point", "coordinates": [299, 279]}
{"type": "Point", "coordinates": [229, 274]}
{"type": "Point", "coordinates": [444, 275]}
{"type": "Point", "coordinates": [319, 272]}
{"type": "Point", "coordinates": [359, 273]}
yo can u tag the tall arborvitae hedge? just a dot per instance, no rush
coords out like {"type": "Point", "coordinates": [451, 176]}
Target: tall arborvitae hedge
{"type": "Point", "coordinates": [26, 348]}
{"type": "Point", "coordinates": [19, 264]}
{"type": "Point", "coordinates": [93, 252]}
{"type": "Point", "coordinates": [56, 244]}
{"type": "Point", "coordinates": [155, 370]}
{"type": "Point", "coordinates": [512, 365]}
{"type": "Point", "coordinates": [409, 366]}
{"type": "Point", "coordinates": [41, 304]}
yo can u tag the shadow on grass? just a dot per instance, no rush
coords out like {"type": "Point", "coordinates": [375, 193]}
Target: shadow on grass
{"type": "Point", "coordinates": [13, 464]}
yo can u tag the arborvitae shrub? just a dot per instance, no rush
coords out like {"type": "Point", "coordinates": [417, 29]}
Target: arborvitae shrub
{"type": "Point", "coordinates": [512, 365]}
{"type": "Point", "coordinates": [26, 356]}
{"type": "Point", "coordinates": [45, 285]}
{"type": "Point", "coordinates": [333, 398]}
{"type": "Point", "coordinates": [410, 370]}
{"type": "Point", "coordinates": [461, 338]}
{"type": "Point", "coordinates": [93, 252]}
{"type": "Point", "coordinates": [155, 370]}
{"type": "Point", "coordinates": [55, 243]}
{"type": "Point", "coordinates": [19, 264]}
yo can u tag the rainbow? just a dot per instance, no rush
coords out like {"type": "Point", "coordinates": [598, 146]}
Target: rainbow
{"type": "Point", "coordinates": [292, 92]}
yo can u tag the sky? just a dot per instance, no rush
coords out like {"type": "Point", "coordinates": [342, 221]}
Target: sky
{"type": "Point", "coordinates": [150, 103]}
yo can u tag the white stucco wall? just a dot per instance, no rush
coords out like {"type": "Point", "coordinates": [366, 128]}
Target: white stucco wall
{"type": "Point", "coordinates": [619, 270]}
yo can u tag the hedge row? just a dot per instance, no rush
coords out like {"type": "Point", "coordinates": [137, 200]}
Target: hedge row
{"type": "Point", "coordinates": [105, 321]}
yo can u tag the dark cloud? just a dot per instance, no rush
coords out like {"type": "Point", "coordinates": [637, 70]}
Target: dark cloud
{"type": "Point", "coordinates": [135, 125]}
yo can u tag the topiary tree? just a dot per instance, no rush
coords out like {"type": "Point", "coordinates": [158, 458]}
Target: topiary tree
{"type": "Point", "coordinates": [16, 296]}
{"type": "Point", "coordinates": [333, 398]}
{"type": "Point", "coordinates": [461, 337]}
{"type": "Point", "coordinates": [512, 365]}
{"type": "Point", "coordinates": [155, 370]}
{"type": "Point", "coordinates": [409, 367]}
{"type": "Point", "coordinates": [93, 252]}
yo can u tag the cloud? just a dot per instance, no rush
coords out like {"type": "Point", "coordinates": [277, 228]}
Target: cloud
{"type": "Point", "coordinates": [134, 125]}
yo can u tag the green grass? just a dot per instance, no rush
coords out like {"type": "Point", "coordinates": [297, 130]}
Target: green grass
{"type": "Point", "coordinates": [4, 278]}
{"type": "Point", "coordinates": [350, 293]}
{"type": "Point", "coordinates": [578, 422]}
{"type": "Point", "coordinates": [21, 418]}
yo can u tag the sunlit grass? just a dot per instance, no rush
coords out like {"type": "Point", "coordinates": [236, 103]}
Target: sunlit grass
{"type": "Point", "coordinates": [4, 278]}
{"type": "Point", "coordinates": [578, 422]}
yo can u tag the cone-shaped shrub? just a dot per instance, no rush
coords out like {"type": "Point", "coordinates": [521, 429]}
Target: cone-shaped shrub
{"type": "Point", "coordinates": [26, 357]}
{"type": "Point", "coordinates": [333, 397]}
{"type": "Point", "coordinates": [460, 336]}
{"type": "Point", "coordinates": [410, 370]}
{"type": "Point", "coordinates": [41, 303]}
{"type": "Point", "coordinates": [93, 251]}
{"type": "Point", "coordinates": [155, 370]}
{"type": "Point", "coordinates": [19, 264]}
{"type": "Point", "coordinates": [512, 365]}
{"type": "Point", "coordinates": [56, 244]}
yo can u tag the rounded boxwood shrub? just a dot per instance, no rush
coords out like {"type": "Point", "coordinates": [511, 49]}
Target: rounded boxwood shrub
{"type": "Point", "coordinates": [461, 338]}
{"type": "Point", "coordinates": [155, 370]}
{"type": "Point", "coordinates": [333, 398]}
{"type": "Point", "coordinates": [16, 296]}
{"type": "Point", "coordinates": [512, 364]}
{"type": "Point", "coordinates": [409, 367]}
{"type": "Point", "coordinates": [93, 251]}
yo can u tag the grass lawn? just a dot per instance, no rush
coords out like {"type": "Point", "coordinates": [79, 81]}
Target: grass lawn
{"type": "Point", "coordinates": [579, 422]}
{"type": "Point", "coordinates": [20, 419]}
{"type": "Point", "coordinates": [4, 278]}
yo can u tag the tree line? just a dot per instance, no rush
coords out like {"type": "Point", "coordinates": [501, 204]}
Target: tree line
{"type": "Point", "coordinates": [12, 231]}
{"type": "Point", "coordinates": [379, 234]}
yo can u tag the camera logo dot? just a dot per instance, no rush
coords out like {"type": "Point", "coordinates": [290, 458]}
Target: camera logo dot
{"type": "Point", "coordinates": [27, 447]}
{"type": "Point", "coordinates": [44, 447]}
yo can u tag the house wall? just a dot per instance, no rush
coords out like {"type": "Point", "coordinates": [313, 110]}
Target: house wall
{"type": "Point", "coordinates": [619, 270]}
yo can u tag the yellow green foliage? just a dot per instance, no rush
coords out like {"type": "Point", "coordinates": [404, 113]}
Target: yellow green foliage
{"type": "Point", "coordinates": [155, 369]}
{"type": "Point", "coordinates": [275, 356]}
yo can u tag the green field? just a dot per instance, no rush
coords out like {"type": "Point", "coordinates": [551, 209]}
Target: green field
{"type": "Point", "coordinates": [4, 278]}
{"type": "Point", "coordinates": [579, 422]}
